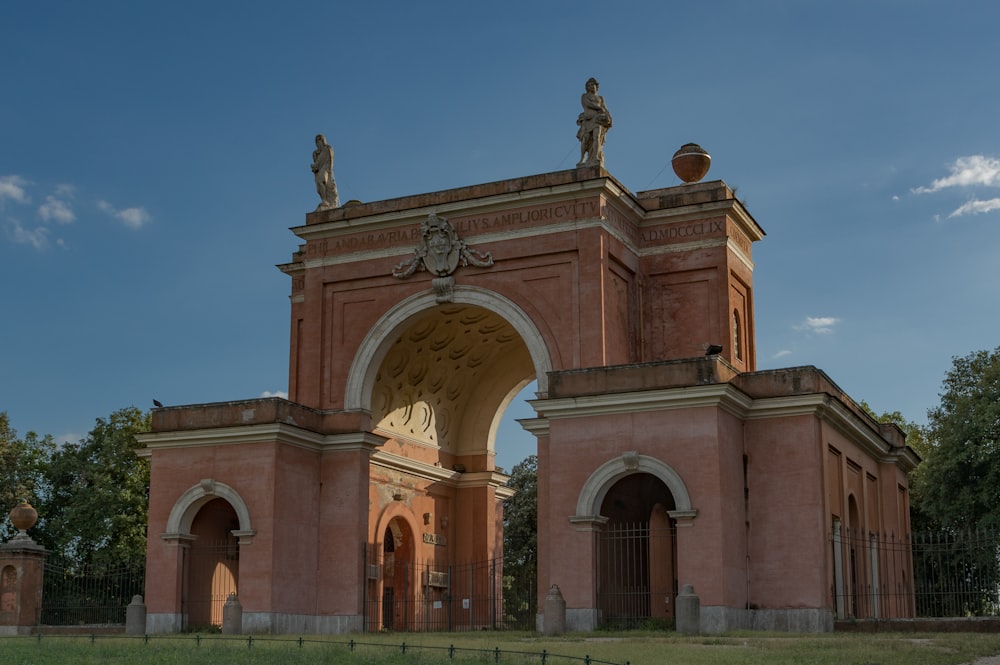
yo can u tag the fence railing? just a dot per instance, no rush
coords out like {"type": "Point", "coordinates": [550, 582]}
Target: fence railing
{"type": "Point", "coordinates": [407, 596]}
{"type": "Point", "coordinates": [366, 652]}
{"type": "Point", "coordinates": [89, 595]}
{"type": "Point", "coordinates": [935, 574]}
{"type": "Point", "coordinates": [941, 574]}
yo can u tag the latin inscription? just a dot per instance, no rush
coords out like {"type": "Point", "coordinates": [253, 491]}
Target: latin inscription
{"type": "Point", "coordinates": [741, 241]}
{"type": "Point", "coordinates": [464, 226]}
{"type": "Point", "coordinates": [686, 231]}
{"type": "Point", "coordinates": [556, 213]}
{"type": "Point", "coordinates": [622, 223]}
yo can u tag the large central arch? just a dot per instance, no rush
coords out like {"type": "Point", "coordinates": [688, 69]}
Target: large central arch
{"type": "Point", "coordinates": [363, 371]}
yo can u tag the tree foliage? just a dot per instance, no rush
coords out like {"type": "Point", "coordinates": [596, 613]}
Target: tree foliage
{"type": "Point", "coordinates": [520, 518]}
{"type": "Point", "coordinates": [91, 496]}
{"type": "Point", "coordinates": [520, 544]}
{"type": "Point", "coordinates": [22, 469]}
{"type": "Point", "coordinates": [960, 482]}
{"type": "Point", "coordinates": [918, 438]}
{"type": "Point", "coordinates": [97, 501]}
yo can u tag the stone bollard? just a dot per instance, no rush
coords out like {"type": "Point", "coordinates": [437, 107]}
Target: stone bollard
{"type": "Point", "coordinates": [135, 617]}
{"type": "Point", "coordinates": [688, 611]}
{"type": "Point", "coordinates": [232, 616]}
{"type": "Point", "coordinates": [554, 614]}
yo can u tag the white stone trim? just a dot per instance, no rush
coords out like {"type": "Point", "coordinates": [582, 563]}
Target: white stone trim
{"type": "Point", "coordinates": [190, 502]}
{"type": "Point", "coordinates": [722, 395]}
{"type": "Point", "coordinates": [266, 433]}
{"type": "Point", "coordinates": [588, 505]}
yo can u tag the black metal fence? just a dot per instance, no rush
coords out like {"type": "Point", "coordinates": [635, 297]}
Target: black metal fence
{"type": "Point", "coordinates": [940, 574]}
{"type": "Point", "coordinates": [936, 574]}
{"type": "Point", "coordinates": [405, 596]}
{"type": "Point", "coordinates": [74, 595]}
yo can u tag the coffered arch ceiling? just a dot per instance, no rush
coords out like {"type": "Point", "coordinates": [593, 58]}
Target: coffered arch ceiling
{"type": "Point", "coordinates": [447, 376]}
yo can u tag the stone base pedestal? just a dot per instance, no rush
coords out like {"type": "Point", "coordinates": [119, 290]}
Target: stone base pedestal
{"type": "Point", "coordinates": [22, 564]}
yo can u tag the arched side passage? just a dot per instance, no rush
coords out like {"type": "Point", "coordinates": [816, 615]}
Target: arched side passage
{"type": "Point", "coordinates": [588, 505]}
{"type": "Point", "coordinates": [361, 379]}
{"type": "Point", "coordinates": [391, 512]}
{"type": "Point", "coordinates": [191, 501]}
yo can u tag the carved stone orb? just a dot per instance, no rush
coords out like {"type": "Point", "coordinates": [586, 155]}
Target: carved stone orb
{"type": "Point", "coordinates": [691, 162]}
{"type": "Point", "coordinates": [23, 516]}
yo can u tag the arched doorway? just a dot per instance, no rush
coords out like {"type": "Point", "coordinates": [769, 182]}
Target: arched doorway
{"type": "Point", "coordinates": [637, 555]}
{"type": "Point", "coordinates": [212, 564]}
{"type": "Point", "coordinates": [397, 576]}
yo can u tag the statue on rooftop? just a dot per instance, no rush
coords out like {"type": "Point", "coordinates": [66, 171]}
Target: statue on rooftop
{"type": "Point", "coordinates": [322, 168]}
{"type": "Point", "coordinates": [594, 122]}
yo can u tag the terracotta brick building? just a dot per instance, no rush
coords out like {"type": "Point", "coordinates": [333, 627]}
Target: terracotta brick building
{"type": "Point", "coordinates": [414, 323]}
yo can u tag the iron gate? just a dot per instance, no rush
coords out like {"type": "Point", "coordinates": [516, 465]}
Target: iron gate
{"type": "Point", "coordinates": [406, 596]}
{"type": "Point", "coordinates": [637, 579]}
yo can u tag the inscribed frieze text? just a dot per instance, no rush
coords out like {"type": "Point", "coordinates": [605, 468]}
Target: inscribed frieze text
{"type": "Point", "coordinates": [686, 231]}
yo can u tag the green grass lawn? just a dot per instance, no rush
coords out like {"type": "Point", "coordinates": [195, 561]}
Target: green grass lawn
{"type": "Point", "coordinates": [639, 648]}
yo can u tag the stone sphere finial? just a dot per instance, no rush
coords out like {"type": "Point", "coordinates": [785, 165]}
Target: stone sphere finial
{"type": "Point", "coordinates": [691, 162]}
{"type": "Point", "coordinates": [23, 516]}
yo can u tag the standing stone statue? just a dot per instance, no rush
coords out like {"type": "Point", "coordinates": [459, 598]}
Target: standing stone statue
{"type": "Point", "coordinates": [594, 122]}
{"type": "Point", "coordinates": [322, 168]}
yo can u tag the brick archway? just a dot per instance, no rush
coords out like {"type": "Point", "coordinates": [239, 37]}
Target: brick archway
{"type": "Point", "coordinates": [413, 323]}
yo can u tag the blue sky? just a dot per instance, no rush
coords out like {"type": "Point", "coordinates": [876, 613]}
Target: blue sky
{"type": "Point", "coordinates": [154, 155]}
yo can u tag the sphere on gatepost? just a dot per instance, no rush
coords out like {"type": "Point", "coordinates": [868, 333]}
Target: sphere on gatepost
{"type": "Point", "coordinates": [691, 162]}
{"type": "Point", "coordinates": [23, 517]}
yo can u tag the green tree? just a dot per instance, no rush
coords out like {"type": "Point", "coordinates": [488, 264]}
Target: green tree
{"type": "Point", "coordinates": [960, 481]}
{"type": "Point", "coordinates": [520, 516]}
{"type": "Point", "coordinates": [520, 545]}
{"type": "Point", "coordinates": [918, 438]}
{"type": "Point", "coordinates": [22, 464]}
{"type": "Point", "coordinates": [95, 509]}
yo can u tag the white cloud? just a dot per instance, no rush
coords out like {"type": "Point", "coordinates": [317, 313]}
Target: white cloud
{"type": "Point", "coordinates": [976, 207]}
{"type": "Point", "coordinates": [134, 218]}
{"type": "Point", "coordinates": [781, 354]}
{"type": "Point", "coordinates": [967, 172]}
{"type": "Point", "coordinates": [56, 210]}
{"type": "Point", "coordinates": [69, 437]}
{"type": "Point", "coordinates": [821, 325]}
{"type": "Point", "coordinates": [37, 237]}
{"type": "Point", "coordinates": [277, 393]}
{"type": "Point", "coordinates": [12, 187]}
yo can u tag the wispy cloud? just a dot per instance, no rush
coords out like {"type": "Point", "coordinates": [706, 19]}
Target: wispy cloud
{"type": "Point", "coordinates": [134, 218]}
{"type": "Point", "coordinates": [781, 354]}
{"type": "Point", "coordinates": [976, 207]}
{"type": "Point", "coordinates": [12, 187]}
{"type": "Point", "coordinates": [277, 393]}
{"type": "Point", "coordinates": [57, 210]}
{"type": "Point", "coordinates": [37, 237]}
{"type": "Point", "coordinates": [820, 325]}
{"type": "Point", "coordinates": [969, 172]}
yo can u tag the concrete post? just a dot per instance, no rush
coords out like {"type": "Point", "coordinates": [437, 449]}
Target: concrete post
{"type": "Point", "coordinates": [135, 617]}
{"type": "Point", "coordinates": [688, 611]}
{"type": "Point", "coordinates": [232, 616]}
{"type": "Point", "coordinates": [554, 614]}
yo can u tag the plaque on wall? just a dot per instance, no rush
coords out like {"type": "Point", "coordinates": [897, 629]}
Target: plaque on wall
{"type": "Point", "coordinates": [435, 539]}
